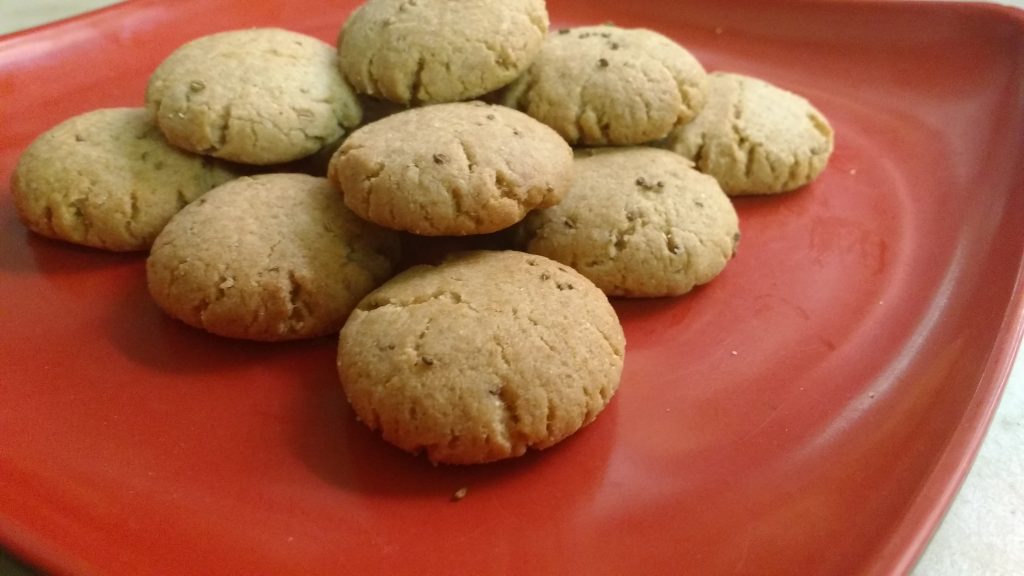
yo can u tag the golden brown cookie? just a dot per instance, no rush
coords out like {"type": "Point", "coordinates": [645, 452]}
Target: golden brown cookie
{"type": "Point", "coordinates": [452, 169]}
{"type": "Point", "coordinates": [754, 137]}
{"type": "Point", "coordinates": [604, 85]}
{"type": "Point", "coordinates": [270, 257]}
{"type": "Point", "coordinates": [108, 179]}
{"type": "Point", "coordinates": [432, 51]}
{"type": "Point", "coordinates": [257, 96]}
{"type": "Point", "coordinates": [481, 357]}
{"type": "Point", "coordinates": [639, 222]}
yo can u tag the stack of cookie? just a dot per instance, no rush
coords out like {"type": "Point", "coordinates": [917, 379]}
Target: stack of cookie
{"type": "Point", "coordinates": [274, 178]}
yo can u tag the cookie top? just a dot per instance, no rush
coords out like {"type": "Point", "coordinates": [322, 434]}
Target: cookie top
{"type": "Point", "coordinates": [452, 169]}
{"type": "Point", "coordinates": [108, 179]}
{"type": "Point", "coordinates": [432, 51]}
{"type": "Point", "coordinates": [604, 85]}
{"type": "Point", "coordinates": [481, 357]}
{"type": "Point", "coordinates": [754, 137]}
{"type": "Point", "coordinates": [638, 222]}
{"type": "Point", "coordinates": [258, 96]}
{"type": "Point", "coordinates": [270, 257]}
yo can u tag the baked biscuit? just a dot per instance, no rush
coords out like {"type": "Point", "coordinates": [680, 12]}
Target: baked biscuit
{"type": "Point", "coordinates": [638, 222]}
{"type": "Point", "coordinates": [270, 257]}
{"type": "Point", "coordinates": [257, 96]}
{"type": "Point", "coordinates": [604, 85]}
{"type": "Point", "coordinates": [481, 357]}
{"type": "Point", "coordinates": [452, 169]}
{"type": "Point", "coordinates": [108, 179]}
{"type": "Point", "coordinates": [754, 137]}
{"type": "Point", "coordinates": [432, 51]}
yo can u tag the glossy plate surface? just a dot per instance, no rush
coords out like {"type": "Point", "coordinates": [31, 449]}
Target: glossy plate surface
{"type": "Point", "coordinates": [811, 411]}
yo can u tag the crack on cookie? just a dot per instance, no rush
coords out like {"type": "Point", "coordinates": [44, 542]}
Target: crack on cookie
{"type": "Point", "coordinates": [48, 217]}
{"type": "Point", "coordinates": [223, 283]}
{"type": "Point", "coordinates": [505, 186]}
{"type": "Point", "coordinates": [519, 94]}
{"type": "Point", "coordinates": [471, 164]}
{"type": "Point", "coordinates": [671, 244]}
{"type": "Point", "coordinates": [373, 420]}
{"type": "Point", "coordinates": [509, 401]}
{"type": "Point", "coordinates": [222, 127]}
{"type": "Point", "coordinates": [417, 91]}
{"type": "Point", "coordinates": [270, 255]}
{"type": "Point", "coordinates": [455, 194]}
{"type": "Point", "coordinates": [798, 173]}
{"type": "Point", "coordinates": [500, 58]}
{"type": "Point", "coordinates": [373, 303]}
{"type": "Point", "coordinates": [742, 142]}
{"type": "Point", "coordinates": [371, 84]}
{"type": "Point", "coordinates": [298, 308]}
{"type": "Point", "coordinates": [366, 201]}
{"type": "Point", "coordinates": [550, 413]}
{"type": "Point", "coordinates": [371, 175]}
{"type": "Point", "coordinates": [821, 126]}
{"type": "Point", "coordinates": [542, 336]}
{"type": "Point", "coordinates": [199, 311]}
{"type": "Point", "coordinates": [422, 359]}
{"type": "Point", "coordinates": [539, 22]}
{"type": "Point", "coordinates": [618, 350]}
{"type": "Point", "coordinates": [701, 157]}
{"type": "Point", "coordinates": [80, 215]}
{"type": "Point", "coordinates": [502, 353]}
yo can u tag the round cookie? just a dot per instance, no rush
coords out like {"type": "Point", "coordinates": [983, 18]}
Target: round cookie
{"type": "Point", "coordinates": [452, 169]}
{"type": "Point", "coordinates": [108, 179]}
{"type": "Point", "coordinates": [433, 51]}
{"type": "Point", "coordinates": [638, 222]}
{"type": "Point", "coordinates": [270, 257]}
{"type": "Point", "coordinates": [603, 85]}
{"type": "Point", "coordinates": [481, 357]}
{"type": "Point", "coordinates": [754, 137]}
{"type": "Point", "coordinates": [257, 96]}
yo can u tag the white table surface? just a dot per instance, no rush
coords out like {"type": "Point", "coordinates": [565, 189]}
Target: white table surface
{"type": "Point", "coordinates": [983, 532]}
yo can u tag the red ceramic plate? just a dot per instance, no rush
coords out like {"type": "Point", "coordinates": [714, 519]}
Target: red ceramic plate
{"type": "Point", "coordinates": [811, 411]}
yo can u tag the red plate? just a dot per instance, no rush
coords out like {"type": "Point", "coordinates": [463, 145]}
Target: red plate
{"type": "Point", "coordinates": [811, 411]}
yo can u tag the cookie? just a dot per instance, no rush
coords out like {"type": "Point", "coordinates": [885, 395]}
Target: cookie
{"type": "Point", "coordinates": [257, 96]}
{"type": "Point", "coordinates": [269, 257]}
{"type": "Point", "coordinates": [452, 169]}
{"type": "Point", "coordinates": [108, 179]}
{"type": "Point", "coordinates": [754, 137]}
{"type": "Point", "coordinates": [638, 222]}
{"type": "Point", "coordinates": [482, 357]}
{"type": "Point", "coordinates": [604, 85]}
{"type": "Point", "coordinates": [433, 51]}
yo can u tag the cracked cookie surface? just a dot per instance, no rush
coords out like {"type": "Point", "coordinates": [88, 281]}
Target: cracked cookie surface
{"type": "Point", "coordinates": [271, 257]}
{"type": "Point", "coordinates": [482, 357]}
{"type": "Point", "coordinates": [432, 51]}
{"type": "Point", "coordinates": [257, 96]}
{"type": "Point", "coordinates": [754, 137]}
{"type": "Point", "coordinates": [604, 85]}
{"type": "Point", "coordinates": [452, 169]}
{"type": "Point", "coordinates": [638, 222]}
{"type": "Point", "coordinates": [108, 179]}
